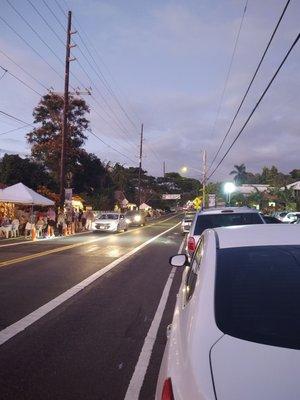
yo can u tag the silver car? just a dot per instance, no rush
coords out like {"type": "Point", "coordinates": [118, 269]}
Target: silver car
{"type": "Point", "coordinates": [110, 222]}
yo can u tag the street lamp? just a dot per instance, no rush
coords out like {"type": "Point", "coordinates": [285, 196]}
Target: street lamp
{"type": "Point", "coordinates": [202, 181]}
{"type": "Point", "coordinates": [229, 187]}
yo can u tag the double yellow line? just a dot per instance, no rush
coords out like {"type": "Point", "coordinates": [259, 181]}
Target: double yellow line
{"type": "Point", "coordinates": [42, 253]}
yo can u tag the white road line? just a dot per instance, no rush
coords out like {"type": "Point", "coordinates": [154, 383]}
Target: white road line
{"type": "Point", "coordinates": [19, 326]}
{"type": "Point", "coordinates": [141, 367]}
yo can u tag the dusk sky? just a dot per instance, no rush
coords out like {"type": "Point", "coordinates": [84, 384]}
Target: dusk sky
{"type": "Point", "coordinates": [166, 62]}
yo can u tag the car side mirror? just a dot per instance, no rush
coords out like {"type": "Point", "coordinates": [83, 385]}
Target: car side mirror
{"type": "Point", "coordinates": [179, 260]}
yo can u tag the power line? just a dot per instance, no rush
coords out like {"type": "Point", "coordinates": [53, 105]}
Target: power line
{"type": "Point", "coordinates": [26, 72]}
{"type": "Point", "coordinates": [34, 31]}
{"type": "Point", "coordinates": [29, 45]}
{"type": "Point", "coordinates": [117, 121]}
{"type": "Point", "coordinates": [108, 124]}
{"type": "Point", "coordinates": [229, 69]}
{"type": "Point", "coordinates": [54, 15]}
{"type": "Point", "coordinates": [15, 129]}
{"type": "Point", "coordinates": [257, 104]}
{"type": "Point", "coordinates": [111, 147]}
{"type": "Point", "coordinates": [15, 118]}
{"type": "Point", "coordinates": [104, 81]}
{"type": "Point", "coordinates": [4, 72]}
{"type": "Point", "coordinates": [99, 73]}
{"type": "Point", "coordinates": [21, 81]}
{"type": "Point", "coordinates": [46, 22]}
{"type": "Point", "coordinates": [250, 84]}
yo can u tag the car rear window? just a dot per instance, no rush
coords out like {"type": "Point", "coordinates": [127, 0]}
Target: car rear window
{"type": "Point", "coordinates": [257, 294]}
{"type": "Point", "coordinates": [206, 221]}
{"type": "Point", "coordinates": [109, 216]}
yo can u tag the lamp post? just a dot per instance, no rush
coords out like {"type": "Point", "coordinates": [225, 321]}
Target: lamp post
{"type": "Point", "coordinates": [229, 187]}
{"type": "Point", "coordinates": [203, 172]}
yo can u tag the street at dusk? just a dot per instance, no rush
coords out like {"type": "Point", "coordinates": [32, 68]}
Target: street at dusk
{"type": "Point", "coordinates": [149, 200]}
{"type": "Point", "coordinates": [88, 346]}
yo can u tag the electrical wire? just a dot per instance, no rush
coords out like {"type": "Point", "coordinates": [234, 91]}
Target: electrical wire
{"type": "Point", "coordinates": [4, 72]}
{"type": "Point", "coordinates": [98, 71]}
{"type": "Point", "coordinates": [54, 15]}
{"type": "Point", "coordinates": [117, 121]}
{"type": "Point", "coordinates": [15, 129]}
{"type": "Point", "coordinates": [229, 69]}
{"type": "Point", "coordinates": [250, 84]}
{"type": "Point", "coordinates": [32, 48]}
{"type": "Point", "coordinates": [257, 104]}
{"type": "Point", "coordinates": [20, 80]}
{"type": "Point", "coordinates": [24, 70]}
{"type": "Point", "coordinates": [46, 22]}
{"type": "Point", "coordinates": [34, 31]}
{"type": "Point", "coordinates": [111, 147]}
{"type": "Point", "coordinates": [15, 118]}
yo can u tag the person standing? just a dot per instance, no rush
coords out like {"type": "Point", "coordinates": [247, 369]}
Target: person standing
{"type": "Point", "coordinates": [51, 217]}
{"type": "Point", "coordinates": [89, 219]}
{"type": "Point", "coordinates": [61, 222]}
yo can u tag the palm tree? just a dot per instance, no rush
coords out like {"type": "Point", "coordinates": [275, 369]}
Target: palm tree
{"type": "Point", "coordinates": [240, 174]}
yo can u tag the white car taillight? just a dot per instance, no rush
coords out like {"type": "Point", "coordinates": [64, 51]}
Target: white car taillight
{"type": "Point", "coordinates": [167, 392]}
{"type": "Point", "coordinates": [191, 244]}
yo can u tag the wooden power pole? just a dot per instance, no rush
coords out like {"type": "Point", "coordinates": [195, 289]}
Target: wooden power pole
{"type": "Point", "coordinates": [64, 132]}
{"type": "Point", "coordinates": [140, 163]}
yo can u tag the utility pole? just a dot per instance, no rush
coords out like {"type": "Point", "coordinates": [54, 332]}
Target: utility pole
{"type": "Point", "coordinates": [64, 132]}
{"type": "Point", "coordinates": [140, 164]}
{"type": "Point", "coordinates": [164, 169]}
{"type": "Point", "coordinates": [204, 179]}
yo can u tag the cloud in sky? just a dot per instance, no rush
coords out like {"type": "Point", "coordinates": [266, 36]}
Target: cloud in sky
{"type": "Point", "coordinates": [170, 58]}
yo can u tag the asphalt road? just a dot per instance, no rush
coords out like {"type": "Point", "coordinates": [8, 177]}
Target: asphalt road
{"type": "Point", "coordinates": [87, 306]}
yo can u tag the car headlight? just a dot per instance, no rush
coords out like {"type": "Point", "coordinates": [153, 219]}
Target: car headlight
{"type": "Point", "coordinates": [127, 221]}
{"type": "Point", "coordinates": [137, 218]}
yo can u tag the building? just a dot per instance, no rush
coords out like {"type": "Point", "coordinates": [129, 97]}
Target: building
{"type": "Point", "coordinates": [247, 189]}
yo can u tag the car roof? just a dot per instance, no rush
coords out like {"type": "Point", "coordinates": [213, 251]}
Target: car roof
{"type": "Point", "coordinates": [258, 235]}
{"type": "Point", "coordinates": [228, 210]}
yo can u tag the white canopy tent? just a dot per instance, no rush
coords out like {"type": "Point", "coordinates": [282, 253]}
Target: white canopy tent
{"type": "Point", "coordinates": [21, 194]}
{"type": "Point", "coordinates": [145, 206]}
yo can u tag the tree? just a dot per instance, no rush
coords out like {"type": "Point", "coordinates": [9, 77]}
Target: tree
{"type": "Point", "coordinates": [295, 174]}
{"type": "Point", "coordinates": [90, 176]}
{"type": "Point", "coordinates": [240, 174]}
{"type": "Point", "coordinates": [120, 176]}
{"type": "Point", "coordinates": [46, 138]}
{"type": "Point", "coordinates": [14, 169]}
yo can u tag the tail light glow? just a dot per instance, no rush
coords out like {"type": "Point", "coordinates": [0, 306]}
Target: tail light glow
{"type": "Point", "coordinates": [167, 392]}
{"type": "Point", "coordinates": [191, 244]}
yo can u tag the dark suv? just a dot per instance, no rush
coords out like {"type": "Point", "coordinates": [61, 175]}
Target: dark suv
{"type": "Point", "coordinates": [135, 218]}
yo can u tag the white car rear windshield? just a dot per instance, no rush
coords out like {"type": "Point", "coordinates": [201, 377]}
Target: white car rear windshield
{"type": "Point", "coordinates": [207, 221]}
{"type": "Point", "coordinates": [257, 294]}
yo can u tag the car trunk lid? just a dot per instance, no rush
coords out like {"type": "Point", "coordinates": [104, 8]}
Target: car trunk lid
{"type": "Point", "coordinates": [243, 370]}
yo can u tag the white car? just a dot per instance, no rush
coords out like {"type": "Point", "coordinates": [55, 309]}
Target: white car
{"type": "Point", "coordinates": [216, 217]}
{"type": "Point", "coordinates": [236, 327]}
{"type": "Point", "coordinates": [187, 221]}
{"type": "Point", "coordinates": [291, 217]}
{"type": "Point", "coordinates": [110, 222]}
